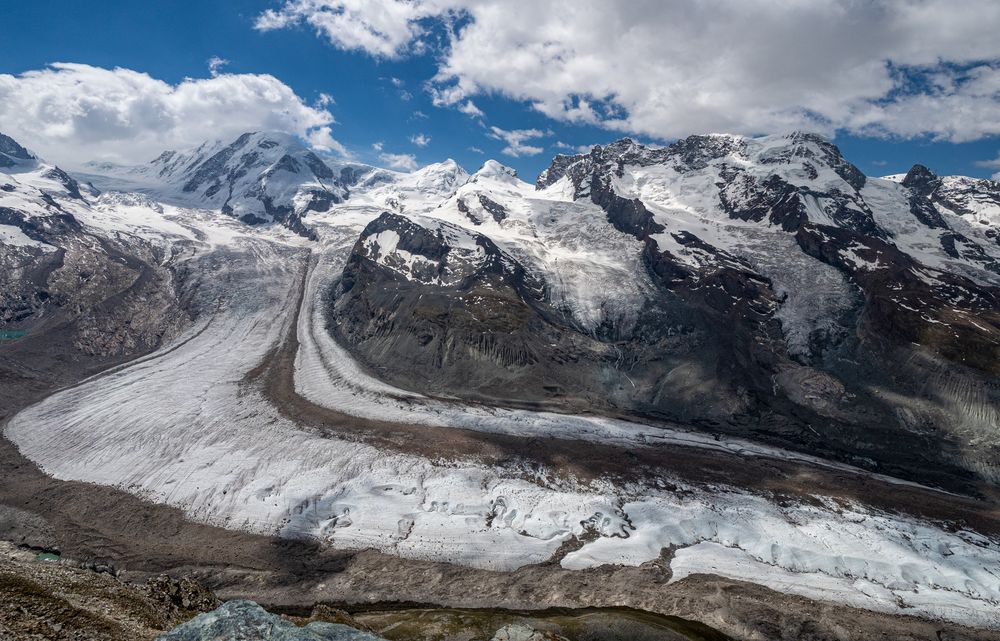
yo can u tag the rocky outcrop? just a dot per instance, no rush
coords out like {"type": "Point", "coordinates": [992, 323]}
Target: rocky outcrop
{"type": "Point", "coordinates": [247, 621]}
{"type": "Point", "coordinates": [184, 594]}
{"type": "Point", "coordinates": [58, 600]}
{"type": "Point", "coordinates": [11, 153]}
{"type": "Point", "coordinates": [521, 632]}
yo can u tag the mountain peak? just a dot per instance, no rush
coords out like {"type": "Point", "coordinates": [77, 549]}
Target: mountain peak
{"type": "Point", "coordinates": [272, 139]}
{"type": "Point", "coordinates": [496, 171]}
{"type": "Point", "coordinates": [446, 166]}
{"type": "Point", "coordinates": [921, 179]}
{"type": "Point", "coordinates": [441, 177]}
{"type": "Point", "coordinates": [12, 153]}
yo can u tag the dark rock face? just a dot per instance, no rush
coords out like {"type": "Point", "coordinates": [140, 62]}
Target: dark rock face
{"type": "Point", "coordinates": [495, 209]}
{"type": "Point", "coordinates": [68, 182]}
{"type": "Point", "coordinates": [11, 152]}
{"type": "Point", "coordinates": [407, 290]}
{"type": "Point", "coordinates": [83, 296]}
{"type": "Point", "coordinates": [473, 320]}
{"type": "Point", "coordinates": [921, 180]}
{"type": "Point", "coordinates": [628, 216]}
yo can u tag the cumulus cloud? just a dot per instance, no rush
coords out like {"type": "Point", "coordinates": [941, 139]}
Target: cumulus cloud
{"type": "Point", "coordinates": [215, 63]}
{"type": "Point", "coordinates": [71, 113]}
{"type": "Point", "coordinates": [517, 141]}
{"type": "Point", "coordinates": [665, 69]}
{"type": "Point", "coordinates": [420, 140]}
{"type": "Point", "coordinates": [403, 162]}
{"type": "Point", "coordinates": [383, 28]}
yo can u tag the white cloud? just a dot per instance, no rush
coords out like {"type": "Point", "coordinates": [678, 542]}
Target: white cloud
{"type": "Point", "coordinates": [321, 139]}
{"type": "Point", "coordinates": [420, 140]}
{"type": "Point", "coordinates": [419, 115]}
{"type": "Point", "coordinates": [516, 141]}
{"type": "Point", "coordinates": [377, 146]}
{"type": "Point", "coordinates": [71, 113]}
{"type": "Point", "coordinates": [667, 69]}
{"type": "Point", "coordinates": [476, 150]}
{"type": "Point", "coordinates": [215, 63]}
{"type": "Point", "coordinates": [396, 82]}
{"type": "Point", "coordinates": [382, 28]}
{"type": "Point", "coordinates": [991, 164]}
{"type": "Point", "coordinates": [325, 100]}
{"type": "Point", "coordinates": [469, 108]}
{"type": "Point", "coordinates": [404, 162]}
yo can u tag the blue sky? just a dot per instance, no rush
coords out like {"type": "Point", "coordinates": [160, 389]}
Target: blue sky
{"type": "Point", "coordinates": [386, 99]}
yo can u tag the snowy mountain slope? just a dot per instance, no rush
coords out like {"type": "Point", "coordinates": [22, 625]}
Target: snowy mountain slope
{"type": "Point", "coordinates": [405, 192]}
{"type": "Point", "coordinates": [751, 285]}
{"type": "Point", "coordinates": [78, 294]}
{"type": "Point", "coordinates": [257, 178]}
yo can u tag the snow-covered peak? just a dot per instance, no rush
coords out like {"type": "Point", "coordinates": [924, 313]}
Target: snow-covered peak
{"type": "Point", "coordinates": [259, 177]}
{"type": "Point", "coordinates": [440, 178]}
{"type": "Point", "coordinates": [417, 191]}
{"type": "Point", "coordinates": [493, 170]}
{"type": "Point", "coordinates": [30, 170]}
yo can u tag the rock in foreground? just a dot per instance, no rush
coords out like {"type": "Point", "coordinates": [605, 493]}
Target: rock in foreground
{"type": "Point", "coordinates": [247, 621]}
